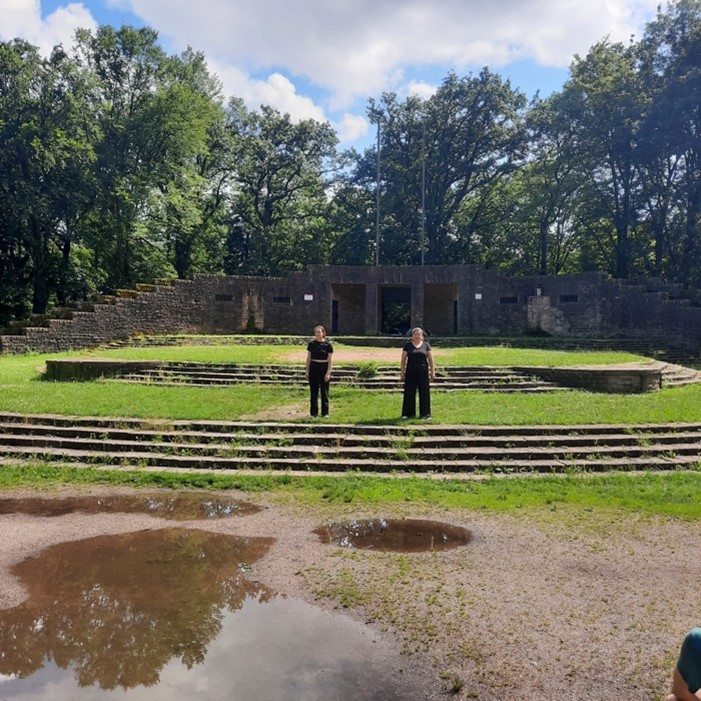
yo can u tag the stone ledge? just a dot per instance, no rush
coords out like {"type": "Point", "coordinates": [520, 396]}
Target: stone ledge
{"type": "Point", "coordinates": [614, 379]}
{"type": "Point", "coordinates": [66, 370]}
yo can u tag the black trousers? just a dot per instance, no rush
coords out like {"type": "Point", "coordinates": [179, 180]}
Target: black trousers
{"type": "Point", "coordinates": [317, 372]}
{"type": "Point", "coordinates": [413, 381]}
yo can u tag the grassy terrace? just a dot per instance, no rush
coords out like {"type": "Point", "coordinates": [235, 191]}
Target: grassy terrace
{"type": "Point", "coordinates": [23, 390]}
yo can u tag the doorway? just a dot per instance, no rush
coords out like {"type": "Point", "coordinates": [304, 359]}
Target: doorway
{"type": "Point", "coordinates": [395, 311]}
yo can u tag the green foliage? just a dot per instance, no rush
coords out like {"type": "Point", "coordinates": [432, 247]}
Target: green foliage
{"type": "Point", "coordinates": [120, 163]}
{"type": "Point", "coordinates": [435, 154]}
{"type": "Point", "coordinates": [278, 215]}
{"type": "Point", "coordinates": [367, 371]}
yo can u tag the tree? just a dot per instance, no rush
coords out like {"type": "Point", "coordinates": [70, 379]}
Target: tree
{"type": "Point", "coordinates": [672, 130]}
{"type": "Point", "coordinates": [438, 152]}
{"type": "Point", "coordinates": [46, 138]}
{"type": "Point", "coordinates": [547, 185]}
{"type": "Point", "coordinates": [188, 198]}
{"type": "Point", "coordinates": [279, 203]}
{"type": "Point", "coordinates": [155, 113]}
{"type": "Point", "coordinates": [606, 103]}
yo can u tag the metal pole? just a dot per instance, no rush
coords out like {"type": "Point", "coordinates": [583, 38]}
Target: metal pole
{"type": "Point", "coordinates": [377, 200]}
{"type": "Point", "coordinates": [423, 190]}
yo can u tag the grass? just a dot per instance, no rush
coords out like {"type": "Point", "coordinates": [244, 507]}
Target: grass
{"type": "Point", "coordinates": [288, 354]}
{"type": "Point", "coordinates": [22, 390]}
{"type": "Point", "coordinates": [672, 494]}
{"type": "Point", "coordinates": [253, 354]}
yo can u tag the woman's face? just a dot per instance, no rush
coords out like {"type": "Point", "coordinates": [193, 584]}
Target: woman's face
{"type": "Point", "coordinates": [319, 333]}
{"type": "Point", "coordinates": [417, 336]}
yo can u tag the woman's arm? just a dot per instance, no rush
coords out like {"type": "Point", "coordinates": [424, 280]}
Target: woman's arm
{"type": "Point", "coordinates": [309, 360]}
{"type": "Point", "coordinates": [327, 376]}
{"type": "Point", "coordinates": [680, 690]}
{"type": "Point", "coordinates": [431, 365]}
{"type": "Point", "coordinates": [402, 370]}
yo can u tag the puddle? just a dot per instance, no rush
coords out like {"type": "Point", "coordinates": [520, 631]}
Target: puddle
{"type": "Point", "coordinates": [395, 535]}
{"type": "Point", "coordinates": [182, 506]}
{"type": "Point", "coordinates": [177, 614]}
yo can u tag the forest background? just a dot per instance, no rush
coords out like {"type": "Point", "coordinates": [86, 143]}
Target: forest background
{"type": "Point", "coordinates": [120, 164]}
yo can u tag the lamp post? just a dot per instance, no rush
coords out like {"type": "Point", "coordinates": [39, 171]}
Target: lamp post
{"type": "Point", "coordinates": [423, 188]}
{"type": "Point", "coordinates": [377, 199]}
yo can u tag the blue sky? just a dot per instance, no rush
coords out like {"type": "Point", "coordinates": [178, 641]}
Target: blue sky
{"type": "Point", "coordinates": [324, 58]}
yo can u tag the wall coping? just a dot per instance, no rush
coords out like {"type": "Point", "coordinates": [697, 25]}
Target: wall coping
{"type": "Point", "coordinates": [627, 378]}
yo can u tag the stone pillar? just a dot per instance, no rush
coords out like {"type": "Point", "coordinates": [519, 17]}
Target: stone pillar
{"type": "Point", "coordinates": [371, 309]}
{"type": "Point", "coordinates": [417, 304]}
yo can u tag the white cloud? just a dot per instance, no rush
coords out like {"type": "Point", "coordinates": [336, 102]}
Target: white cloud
{"type": "Point", "coordinates": [344, 52]}
{"type": "Point", "coordinates": [350, 128]}
{"type": "Point", "coordinates": [276, 91]}
{"type": "Point", "coordinates": [22, 18]}
{"type": "Point", "coordinates": [423, 90]}
{"type": "Point", "coordinates": [357, 49]}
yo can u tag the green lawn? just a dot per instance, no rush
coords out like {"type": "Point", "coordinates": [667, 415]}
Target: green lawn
{"type": "Point", "coordinates": [672, 494]}
{"type": "Point", "coordinates": [22, 389]}
{"type": "Point", "coordinates": [261, 354]}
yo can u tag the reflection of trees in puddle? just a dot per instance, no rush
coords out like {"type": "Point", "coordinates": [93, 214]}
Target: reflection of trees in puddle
{"type": "Point", "coordinates": [118, 608]}
{"type": "Point", "coordinates": [183, 506]}
{"type": "Point", "coordinates": [395, 535]}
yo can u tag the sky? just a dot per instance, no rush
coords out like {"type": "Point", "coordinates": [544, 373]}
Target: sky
{"type": "Point", "coordinates": [323, 59]}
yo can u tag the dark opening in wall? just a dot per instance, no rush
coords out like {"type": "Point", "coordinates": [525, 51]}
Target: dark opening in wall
{"type": "Point", "coordinates": [566, 299]}
{"type": "Point", "coordinates": [281, 300]}
{"type": "Point", "coordinates": [223, 298]}
{"type": "Point", "coordinates": [508, 300]}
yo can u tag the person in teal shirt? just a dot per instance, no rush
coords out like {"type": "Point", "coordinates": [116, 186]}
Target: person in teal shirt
{"type": "Point", "coordinates": [686, 677]}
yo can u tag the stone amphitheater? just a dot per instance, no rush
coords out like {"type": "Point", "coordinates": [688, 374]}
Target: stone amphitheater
{"type": "Point", "coordinates": [304, 447]}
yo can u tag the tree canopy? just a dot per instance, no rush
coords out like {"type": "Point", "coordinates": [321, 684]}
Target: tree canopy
{"type": "Point", "coordinates": [120, 164]}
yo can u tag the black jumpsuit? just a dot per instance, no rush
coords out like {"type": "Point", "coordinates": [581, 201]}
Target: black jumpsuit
{"type": "Point", "coordinates": [416, 378]}
{"type": "Point", "coordinates": [320, 351]}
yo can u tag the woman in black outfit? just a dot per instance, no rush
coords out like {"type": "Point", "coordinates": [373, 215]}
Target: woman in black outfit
{"type": "Point", "coordinates": [318, 371]}
{"type": "Point", "coordinates": [417, 369]}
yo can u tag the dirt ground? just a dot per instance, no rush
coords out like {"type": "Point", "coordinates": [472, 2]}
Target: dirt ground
{"type": "Point", "coordinates": [538, 607]}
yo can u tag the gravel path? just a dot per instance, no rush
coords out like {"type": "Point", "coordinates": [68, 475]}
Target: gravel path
{"type": "Point", "coordinates": [540, 606]}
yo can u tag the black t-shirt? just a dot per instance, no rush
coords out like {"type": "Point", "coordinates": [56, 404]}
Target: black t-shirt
{"type": "Point", "coordinates": [417, 358]}
{"type": "Point", "coordinates": [320, 350]}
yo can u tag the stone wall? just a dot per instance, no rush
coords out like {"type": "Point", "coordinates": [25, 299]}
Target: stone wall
{"type": "Point", "coordinates": [448, 300]}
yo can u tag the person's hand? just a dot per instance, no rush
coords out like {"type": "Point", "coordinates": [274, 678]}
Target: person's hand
{"type": "Point", "coordinates": [327, 377]}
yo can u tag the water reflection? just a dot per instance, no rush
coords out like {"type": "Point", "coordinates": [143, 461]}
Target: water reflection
{"type": "Point", "coordinates": [395, 535]}
{"type": "Point", "coordinates": [180, 506]}
{"type": "Point", "coordinates": [116, 609]}
{"type": "Point", "coordinates": [284, 650]}
{"type": "Point", "coordinates": [170, 615]}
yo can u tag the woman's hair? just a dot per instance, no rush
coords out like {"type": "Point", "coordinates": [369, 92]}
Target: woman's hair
{"type": "Point", "coordinates": [319, 326]}
{"type": "Point", "coordinates": [420, 330]}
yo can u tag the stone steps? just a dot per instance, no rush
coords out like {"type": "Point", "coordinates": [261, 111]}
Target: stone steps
{"type": "Point", "coordinates": [448, 378]}
{"type": "Point", "coordinates": [315, 447]}
{"type": "Point", "coordinates": [484, 379]}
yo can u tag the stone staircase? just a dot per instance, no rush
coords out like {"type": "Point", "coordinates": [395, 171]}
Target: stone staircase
{"type": "Point", "coordinates": [483, 379]}
{"type": "Point", "coordinates": [678, 375]}
{"type": "Point", "coordinates": [386, 378]}
{"type": "Point", "coordinates": [312, 447]}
